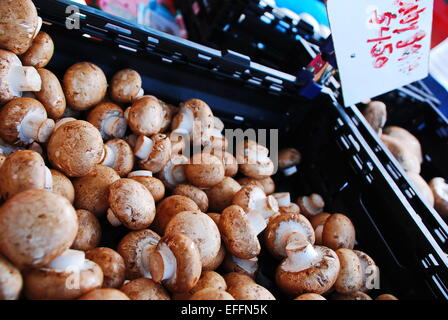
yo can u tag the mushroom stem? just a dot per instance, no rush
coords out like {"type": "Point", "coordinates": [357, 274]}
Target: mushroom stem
{"type": "Point", "coordinates": [283, 199]}
{"type": "Point", "coordinates": [69, 259]}
{"type": "Point", "coordinates": [24, 79]}
{"type": "Point", "coordinates": [48, 185]}
{"type": "Point", "coordinates": [140, 173]}
{"type": "Point", "coordinates": [290, 171]}
{"type": "Point", "coordinates": [301, 254]}
{"type": "Point", "coordinates": [115, 127]}
{"type": "Point", "coordinates": [248, 265]}
{"type": "Point", "coordinates": [143, 148]}
{"type": "Point", "coordinates": [62, 121]}
{"type": "Point", "coordinates": [33, 127]}
{"type": "Point", "coordinates": [257, 222]}
{"type": "Point", "coordinates": [162, 263]}
{"type": "Point", "coordinates": [112, 218]}
{"type": "Point", "coordinates": [109, 156]}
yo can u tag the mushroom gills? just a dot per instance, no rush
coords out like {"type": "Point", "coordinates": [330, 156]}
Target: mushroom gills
{"type": "Point", "coordinates": [301, 254]}
{"type": "Point", "coordinates": [115, 126]}
{"type": "Point", "coordinates": [284, 234]}
{"type": "Point", "coordinates": [24, 79]}
{"type": "Point", "coordinates": [109, 156]}
{"type": "Point", "coordinates": [144, 149]}
{"type": "Point", "coordinates": [248, 265]}
{"type": "Point", "coordinates": [68, 260]}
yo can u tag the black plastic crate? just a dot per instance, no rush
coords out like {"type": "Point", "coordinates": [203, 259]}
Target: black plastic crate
{"type": "Point", "coordinates": [252, 27]}
{"type": "Point", "coordinates": [337, 160]}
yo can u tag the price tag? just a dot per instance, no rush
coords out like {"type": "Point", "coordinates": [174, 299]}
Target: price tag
{"type": "Point", "coordinates": [380, 45]}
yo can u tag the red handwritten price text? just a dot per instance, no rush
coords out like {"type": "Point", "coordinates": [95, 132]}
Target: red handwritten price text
{"type": "Point", "coordinates": [390, 28]}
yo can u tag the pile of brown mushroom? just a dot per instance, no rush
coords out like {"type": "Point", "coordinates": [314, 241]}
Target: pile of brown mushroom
{"type": "Point", "coordinates": [193, 231]}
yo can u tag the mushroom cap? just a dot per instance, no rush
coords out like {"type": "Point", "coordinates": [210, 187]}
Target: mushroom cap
{"type": "Point", "coordinates": [204, 170]}
{"type": "Point", "coordinates": [51, 94]}
{"type": "Point", "coordinates": [311, 205]}
{"type": "Point", "coordinates": [194, 193]}
{"type": "Point", "coordinates": [235, 279]}
{"type": "Point", "coordinates": [92, 190]}
{"type": "Point", "coordinates": [319, 278]}
{"type": "Point", "coordinates": [19, 22]}
{"type": "Point", "coordinates": [386, 296]}
{"type": "Point", "coordinates": [369, 270]}
{"type": "Point", "coordinates": [85, 85]}
{"type": "Point", "coordinates": [7, 61]}
{"type": "Point", "coordinates": [75, 148]}
{"type": "Point", "coordinates": [154, 185]}
{"type": "Point", "coordinates": [112, 265]}
{"type": "Point", "coordinates": [376, 115]}
{"type": "Point", "coordinates": [89, 231]}
{"type": "Point", "coordinates": [40, 52]}
{"type": "Point", "coordinates": [237, 233]}
{"type": "Point", "coordinates": [217, 261]}
{"type": "Point", "coordinates": [310, 296]}
{"type": "Point", "coordinates": [422, 188]}
{"type": "Point", "coordinates": [229, 161]}
{"type": "Point", "coordinates": [288, 157]}
{"type": "Point", "coordinates": [125, 86]}
{"type": "Point", "coordinates": [62, 185]}
{"type": "Point", "coordinates": [221, 195]}
{"type": "Point", "coordinates": [254, 161]}
{"type": "Point", "coordinates": [170, 207]}
{"type": "Point", "coordinates": [169, 111]}
{"type": "Point", "coordinates": [124, 157]}
{"type": "Point", "coordinates": [200, 228]}
{"type": "Point", "coordinates": [338, 232]}
{"type": "Point", "coordinates": [22, 170]}
{"type": "Point", "coordinates": [103, 111]}
{"type": "Point", "coordinates": [132, 203]}
{"type": "Point", "coordinates": [250, 291]}
{"type": "Point", "coordinates": [211, 294]}
{"type": "Point", "coordinates": [406, 138]}
{"type": "Point", "coordinates": [188, 263]}
{"type": "Point", "coordinates": [350, 278]}
{"type": "Point", "coordinates": [292, 208]}
{"type": "Point", "coordinates": [12, 114]}
{"type": "Point", "coordinates": [409, 161]}
{"type": "Point", "coordinates": [350, 296]}
{"type": "Point", "coordinates": [145, 116]}
{"type": "Point", "coordinates": [11, 281]}
{"type": "Point", "coordinates": [318, 222]}
{"type": "Point", "coordinates": [281, 227]}
{"type": "Point", "coordinates": [160, 154]}
{"type": "Point", "coordinates": [145, 289]}
{"type": "Point", "coordinates": [69, 284]}
{"type": "Point", "coordinates": [131, 248]}
{"type": "Point", "coordinates": [439, 188]}
{"type": "Point", "coordinates": [208, 280]}
{"type": "Point", "coordinates": [36, 227]}
{"type": "Point", "coordinates": [104, 294]}
{"type": "Point", "coordinates": [173, 173]}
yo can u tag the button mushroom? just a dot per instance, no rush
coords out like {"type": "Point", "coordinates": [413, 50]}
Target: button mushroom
{"type": "Point", "coordinates": [376, 115]}
{"type": "Point", "coordinates": [11, 281]}
{"type": "Point", "coordinates": [221, 195]}
{"type": "Point", "coordinates": [173, 173]}
{"type": "Point", "coordinates": [310, 296]}
{"type": "Point", "coordinates": [350, 278]}
{"type": "Point", "coordinates": [89, 231]}
{"type": "Point", "coordinates": [24, 120]}
{"type": "Point", "coordinates": [386, 297]}
{"type": "Point", "coordinates": [405, 156]}
{"type": "Point", "coordinates": [145, 289]}
{"type": "Point", "coordinates": [338, 232]}
{"type": "Point", "coordinates": [23, 170]}
{"type": "Point", "coordinates": [318, 222]}
{"type": "Point", "coordinates": [245, 266]}
{"type": "Point", "coordinates": [66, 277]}
{"type": "Point", "coordinates": [145, 116]}
{"type": "Point", "coordinates": [407, 139]}
{"type": "Point", "coordinates": [36, 227]}
{"type": "Point", "coordinates": [169, 111]}
{"type": "Point", "coordinates": [253, 199]}
{"type": "Point", "coordinates": [75, 148]}
{"type": "Point", "coordinates": [40, 52]}
{"type": "Point", "coordinates": [229, 161]}
{"type": "Point", "coordinates": [135, 248]}
{"type": "Point", "coordinates": [439, 188]}
{"type": "Point", "coordinates": [130, 204]}
{"type": "Point", "coordinates": [112, 265]}
{"type": "Point", "coordinates": [208, 280]}
{"type": "Point", "coordinates": [204, 170]}
{"type": "Point", "coordinates": [126, 86]}
{"type": "Point", "coordinates": [62, 185]}
{"type": "Point", "coordinates": [154, 185]}
{"type": "Point", "coordinates": [51, 94]}
{"type": "Point", "coordinates": [153, 152]}
{"type": "Point", "coordinates": [105, 294]}
{"type": "Point", "coordinates": [288, 159]}
{"type": "Point", "coordinates": [170, 207]}
{"type": "Point", "coordinates": [85, 85]}
{"type": "Point", "coordinates": [92, 190]}
{"type": "Point", "coordinates": [285, 204]}
{"type": "Point", "coordinates": [370, 272]}
{"type": "Point", "coordinates": [119, 156]}
{"type": "Point", "coordinates": [177, 262]}
{"type": "Point", "coordinates": [109, 119]}
{"type": "Point", "coordinates": [267, 184]}
{"type": "Point", "coordinates": [254, 161]}
{"type": "Point", "coordinates": [195, 194]}
{"type": "Point", "coordinates": [201, 229]}
{"type": "Point", "coordinates": [422, 188]}
{"type": "Point", "coordinates": [211, 294]}
{"type": "Point", "coordinates": [248, 290]}
{"type": "Point", "coordinates": [311, 205]}
{"type": "Point", "coordinates": [307, 269]}
{"type": "Point", "coordinates": [19, 24]}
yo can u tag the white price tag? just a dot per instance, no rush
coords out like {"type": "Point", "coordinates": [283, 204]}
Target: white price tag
{"type": "Point", "coordinates": [380, 45]}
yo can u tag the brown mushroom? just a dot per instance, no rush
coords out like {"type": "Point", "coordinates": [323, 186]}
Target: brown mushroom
{"type": "Point", "coordinates": [318, 222]}
{"type": "Point", "coordinates": [386, 297]}
{"type": "Point", "coordinates": [338, 232]}
{"type": "Point", "coordinates": [370, 272]}
{"type": "Point", "coordinates": [19, 24]}
{"type": "Point", "coordinates": [211, 294]}
{"type": "Point", "coordinates": [145, 289]}
{"type": "Point", "coordinates": [24, 170]}
{"type": "Point", "coordinates": [51, 95]}
{"type": "Point", "coordinates": [11, 281]}
{"type": "Point", "coordinates": [405, 156]}
{"type": "Point", "coordinates": [169, 111]}
{"type": "Point", "coordinates": [311, 205]}
{"type": "Point", "coordinates": [439, 188]}
{"type": "Point", "coordinates": [126, 86]}
{"type": "Point", "coordinates": [130, 204]}
{"type": "Point", "coordinates": [208, 280]}
{"type": "Point", "coordinates": [40, 52]}
{"type": "Point", "coordinates": [173, 173]}
{"type": "Point", "coordinates": [105, 294]}
{"type": "Point", "coordinates": [154, 152]}
{"type": "Point", "coordinates": [154, 185]}
{"type": "Point", "coordinates": [170, 207]}
{"type": "Point", "coordinates": [253, 199]}
{"type": "Point", "coordinates": [221, 195]}
{"type": "Point", "coordinates": [195, 194]}
{"type": "Point", "coordinates": [201, 229]}
{"type": "Point", "coordinates": [310, 296]}
{"type": "Point", "coordinates": [119, 156]}
{"type": "Point", "coordinates": [407, 139]}
{"type": "Point", "coordinates": [75, 148]}
{"type": "Point", "coordinates": [244, 266]}
{"type": "Point", "coordinates": [85, 85]}
{"type": "Point", "coordinates": [112, 265]}
{"type": "Point", "coordinates": [89, 231]}
{"type": "Point", "coordinates": [24, 120]}
{"type": "Point", "coordinates": [288, 159]}
{"type": "Point", "coordinates": [204, 170]}
{"type": "Point", "coordinates": [92, 190]}
{"type": "Point", "coordinates": [145, 116]}
{"type": "Point", "coordinates": [267, 184]}
{"type": "Point", "coordinates": [62, 185]}
{"type": "Point", "coordinates": [249, 291]}
{"type": "Point", "coordinates": [109, 119]}
{"type": "Point", "coordinates": [254, 161]}
{"type": "Point", "coordinates": [229, 161]}
{"type": "Point", "coordinates": [376, 115]}
{"type": "Point", "coordinates": [234, 279]}
{"type": "Point", "coordinates": [285, 204]}
{"type": "Point", "coordinates": [422, 188]}
{"type": "Point", "coordinates": [350, 278]}
{"type": "Point", "coordinates": [36, 227]}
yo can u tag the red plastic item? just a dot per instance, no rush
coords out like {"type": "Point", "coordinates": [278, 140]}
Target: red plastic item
{"type": "Point", "coordinates": [440, 25]}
